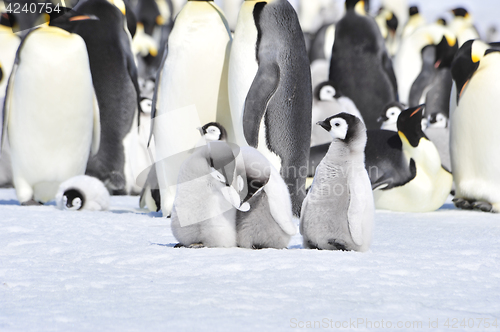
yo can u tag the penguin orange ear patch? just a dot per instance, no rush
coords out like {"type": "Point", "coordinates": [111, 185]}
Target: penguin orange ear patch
{"type": "Point", "coordinates": [416, 111]}
{"type": "Point", "coordinates": [463, 88]}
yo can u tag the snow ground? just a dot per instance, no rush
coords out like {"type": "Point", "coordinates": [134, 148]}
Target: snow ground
{"type": "Point", "coordinates": [118, 271]}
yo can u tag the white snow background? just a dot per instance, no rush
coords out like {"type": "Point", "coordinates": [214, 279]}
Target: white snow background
{"type": "Point", "coordinates": [118, 270]}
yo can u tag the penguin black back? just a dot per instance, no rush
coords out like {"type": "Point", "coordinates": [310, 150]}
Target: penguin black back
{"type": "Point", "coordinates": [114, 75]}
{"type": "Point", "coordinates": [463, 67]}
{"type": "Point", "coordinates": [360, 66]}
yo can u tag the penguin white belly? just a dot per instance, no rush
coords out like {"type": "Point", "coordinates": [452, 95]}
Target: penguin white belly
{"type": "Point", "coordinates": [426, 192]}
{"type": "Point", "coordinates": [51, 113]}
{"type": "Point", "coordinates": [243, 67]}
{"type": "Point", "coordinates": [407, 66]}
{"type": "Point", "coordinates": [191, 77]}
{"type": "Point", "coordinates": [329, 41]}
{"type": "Point", "coordinates": [475, 152]}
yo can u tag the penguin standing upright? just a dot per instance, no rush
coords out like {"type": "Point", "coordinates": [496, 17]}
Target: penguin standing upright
{"type": "Point", "coordinates": [406, 169]}
{"type": "Point", "coordinates": [474, 133]}
{"type": "Point", "coordinates": [115, 80]}
{"type": "Point", "coordinates": [191, 89]}
{"type": "Point", "coordinates": [338, 211]}
{"type": "Point", "coordinates": [415, 21]}
{"type": "Point", "coordinates": [360, 66]}
{"type": "Point", "coordinates": [50, 112]}
{"type": "Point", "coordinates": [389, 117]}
{"type": "Point", "coordinates": [270, 89]}
{"type": "Point", "coordinates": [462, 26]}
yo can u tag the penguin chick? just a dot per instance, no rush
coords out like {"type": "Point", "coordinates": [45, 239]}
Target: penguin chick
{"type": "Point", "coordinates": [428, 186]}
{"type": "Point", "coordinates": [338, 211]}
{"type": "Point", "coordinates": [214, 131]}
{"type": "Point", "coordinates": [268, 223]}
{"type": "Point", "coordinates": [82, 192]}
{"type": "Point", "coordinates": [389, 117]}
{"type": "Point", "coordinates": [328, 101]}
{"type": "Point", "coordinates": [204, 211]}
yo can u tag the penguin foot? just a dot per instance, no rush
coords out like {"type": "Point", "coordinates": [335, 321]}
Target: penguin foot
{"type": "Point", "coordinates": [311, 245]}
{"type": "Point", "coordinates": [338, 245]}
{"type": "Point", "coordinates": [463, 203]}
{"type": "Point", "coordinates": [196, 245]}
{"type": "Point", "coordinates": [482, 206]}
{"type": "Point", "coordinates": [31, 202]}
{"type": "Point", "coordinates": [179, 245]}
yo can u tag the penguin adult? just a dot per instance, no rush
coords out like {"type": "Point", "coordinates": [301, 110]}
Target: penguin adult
{"type": "Point", "coordinates": [270, 89]}
{"type": "Point", "coordinates": [438, 132]}
{"type": "Point", "coordinates": [389, 117]}
{"type": "Point", "coordinates": [269, 221]}
{"type": "Point", "coordinates": [208, 192]}
{"type": "Point", "coordinates": [328, 101]}
{"type": "Point", "coordinates": [462, 25]}
{"type": "Point", "coordinates": [473, 127]}
{"type": "Point", "coordinates": [415, 21]}
{"type": "Point", "coordinates": [408, 60]}
{"type": "Point", "coordinates": [429, 184]}
{"type": "Point", "coordinates": [400, 9]}
{"type": "Point", "coordinates": [191, 90]}
{"type": "Point", "coordinates": [388, 24]}
{"type": "Point", "coordinates": [338, 211]}
{"type": "Point", "coordinates": [82, 192]}
{"type": "Point", "coordinates": [114, 75]}
{"type": "Point", "coordinates": [432, 87]}
{"type": "Point", "coordinates": [322, 43]}
{"type": "Point", "coordinates": [50, 113]}
{"type": "Point", "coordinates": [360, 66]}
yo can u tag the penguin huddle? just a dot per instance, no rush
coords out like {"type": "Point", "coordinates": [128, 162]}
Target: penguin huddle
{"type": "Point", "coordinates": [218, 123]}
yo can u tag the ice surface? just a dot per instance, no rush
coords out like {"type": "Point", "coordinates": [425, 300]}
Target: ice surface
{"type": "Point", "coordinates": [118, 271]}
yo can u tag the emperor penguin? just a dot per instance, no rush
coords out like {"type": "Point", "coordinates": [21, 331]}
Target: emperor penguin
{"type": "Point", "coordinates": [389, 117]}
{"type": "Point", "coordinates": [328, 101]}
{"type": "Point", "coordinates": [82, 192]}
{"type": "Point", "coordinates": [388, 24]}
{"type": "Point", "coordinates": [268, 222]}
{"type": "Point", "coordinates": [322, 43]}
{"type": "Point", "coordinates": [408, 60]}
{"type": "Point", "coordinates": [270, 89]}
{"type": "Point", "coordinates": [415, 21]}
{"type": "Point", "coordinates": [432, 87]}
{"type": "Point", "coordinates": [338, 211]}
{"type": "Point", "coordinates": [426, 185]}
{"type": "Point", "coordinates": [9, 42]}
{"type": "Point", "coordinates": [209, 191]}
{"type": "Point", "coordinates": [191, 90]}
{"type": "Point", "coordinates": [473, 127]}
{"type": "Point", "coordinates": [462, 26]}
{"type": "Point", "coordinates": [360, 66]}
{"type": "Point", "coordinates": [50, 113]}
{"type": "Point", "coordinates": [400, 9]}
{"type": "Point", "coordinates": [114, 75]}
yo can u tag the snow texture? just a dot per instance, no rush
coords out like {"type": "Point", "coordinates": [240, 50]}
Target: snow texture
{"type": "Point", "coordinates": [118, 271]}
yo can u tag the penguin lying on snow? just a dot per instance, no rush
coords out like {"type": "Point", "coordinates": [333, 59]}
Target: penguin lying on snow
{"type": "Point", "coordinates": [338, 210]}
{"type": "Point", "coordinates": [82, 192]}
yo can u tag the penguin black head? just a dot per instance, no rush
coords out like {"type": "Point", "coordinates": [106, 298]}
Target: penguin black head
{"type": "Point", "coordinates": [413, 10]}
{"type": "Point", "coordinates": [325, 91]}
{"type": "Point", "coordinates": [73, 199]}
{"type": "Point", "coordinates": [344, 127]}
{"type": "Point", "coordinates": [460, 12]}
{"type": "Point", "coordinates": [392, 22]}
{"type": "Point", "coordinates": [214, 131]}
{"type": "Point", "coordinates": [464, 65]}
{"type": "Point", "coordinates": [391, 112]}
{"type": "Point", "coordinates": [445, 51]}
{"type": "Point", "coordinates": [410, 125]}
{"type": "Point", "coordinates": [67, 18]}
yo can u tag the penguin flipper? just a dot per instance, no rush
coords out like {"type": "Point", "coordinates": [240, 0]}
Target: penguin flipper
{"type": "Point", "coordinates": [280, 203]}
{"type": "Point", "coordinates": [361, 206]}
{"type": "Point", "coordinates": [96, 134]}
{"type": "Point", "coordinates": [395, 178]}
{"type": "Point", "coordinates": [389, 70]}
{"type": "Point", "coordinates": [263, 87]}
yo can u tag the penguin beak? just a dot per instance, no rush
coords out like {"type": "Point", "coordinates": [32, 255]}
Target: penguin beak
{"type": "Point", "coordinates": [324, 124]}
{"type": "Point", "coordinates": [382, 118]}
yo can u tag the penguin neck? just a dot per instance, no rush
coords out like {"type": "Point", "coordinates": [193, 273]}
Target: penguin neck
{"type": "Point", "coordinates": [339, 152]}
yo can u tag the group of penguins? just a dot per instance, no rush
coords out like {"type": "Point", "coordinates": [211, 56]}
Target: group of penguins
{"type": "Point", "coordinates": [234, 126]}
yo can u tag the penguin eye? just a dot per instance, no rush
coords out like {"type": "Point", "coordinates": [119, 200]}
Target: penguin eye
{"type": "Point", "coordinates": [337, 124]}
